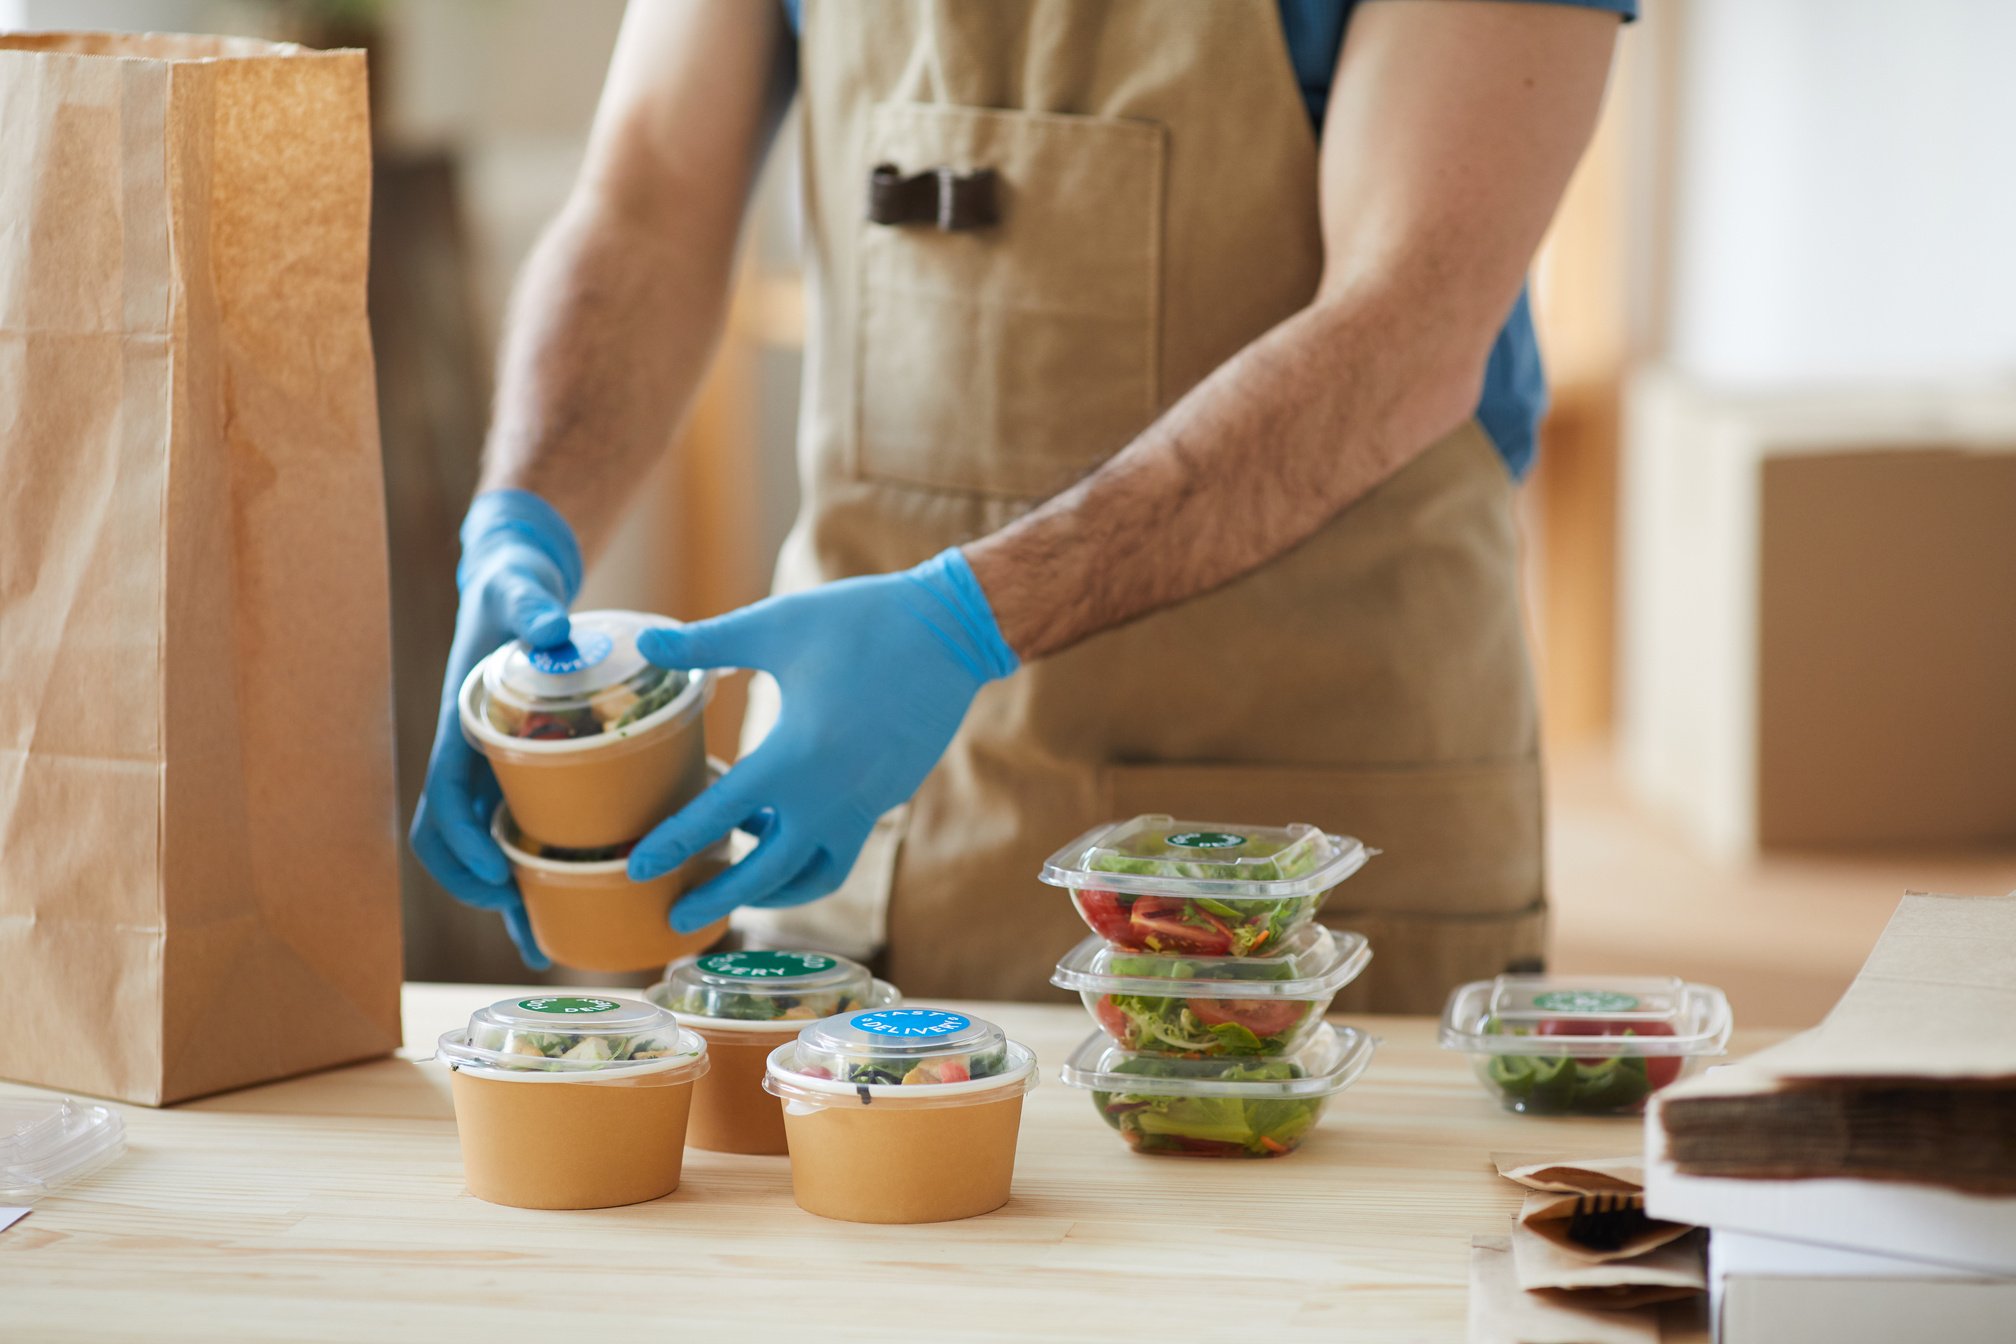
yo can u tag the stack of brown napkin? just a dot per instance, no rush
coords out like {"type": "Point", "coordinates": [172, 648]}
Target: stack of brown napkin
{"type": "Point", "coordinates": [1543, 1285]}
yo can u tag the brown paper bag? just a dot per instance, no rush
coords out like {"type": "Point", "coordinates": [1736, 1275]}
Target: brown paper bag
{"type": "Point", "coordinates": [198, 880]}
{"type": "Point", "coordinates": [1559, 1183]}
{"type": "Point", "coordinates": [1667, 1272]}
{"type": "Point", "coordinates": [1501, 1313]}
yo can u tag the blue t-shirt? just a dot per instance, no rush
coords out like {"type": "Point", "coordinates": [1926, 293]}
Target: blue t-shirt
{"type": "Point", "coordinates": [1515, 387]}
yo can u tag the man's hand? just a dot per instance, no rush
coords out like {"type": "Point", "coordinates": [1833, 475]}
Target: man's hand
{"type": "Point", "coordinates": [876, 675]}
{"type": "Point", "coordinates": [1451, 134]}
{"type": "Point", "coordinates": [520, 568]}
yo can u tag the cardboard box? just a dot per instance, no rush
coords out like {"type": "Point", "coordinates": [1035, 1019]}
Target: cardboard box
{"type": "Point", "coordinates": [1818, 613]}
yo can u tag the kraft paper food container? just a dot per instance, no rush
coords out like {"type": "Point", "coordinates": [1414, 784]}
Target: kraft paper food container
{"type": "Point", "coordinates": [588, 914]}
{"type": "Point", "coordinates": [1584, 1045]}
{"type": "Point", "coordinates": [746, 1004]}
{"type": "Point", "coordinates": [1202, 888]}
{"type": "Point", "coordinates": [1211, 1006]}
{"type": "Point", "coordinates": [572, 1101]}
{"type": "Point", "coordinates": [593, 745]}
{"type": "Point", "coordinates": [1223, 1107]}
{"type": "Point", "coordinates": [901, 1115]}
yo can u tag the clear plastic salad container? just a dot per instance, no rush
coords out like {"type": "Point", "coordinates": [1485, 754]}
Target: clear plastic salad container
{"type": "Point", "coordinates": [45, 1145]}
{"type": "Point", "coordinates": [896, 1047]}
{"type": "Point", "coordinates": [901, 1114]}
{"type": "Point", "coordinates": [1203, 1006]}
{"type": "Point", "coordinates": [1222, 1107]}
{"type": "Point", "coordinates": [572, 1101]}
{"type": "Point", "coordinates": [768, 991]}
{"type": "Point", "coordinates": [596, 684]}
{"type": "Point", "coordinates": [1202, 888]}
{"type": "Point", "coordinates": [1584, 1045]}
{"type": "Point", "coordinates": [593, 744]}
{"type": "Point", "coordinates": [574, 1036]}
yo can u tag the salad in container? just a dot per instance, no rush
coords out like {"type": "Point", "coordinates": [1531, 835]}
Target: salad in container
{"type": "Point", "coordinates": [1227, 1106]}
{"type": "Point", "coordinates": [746, 1004]}
{"type": "Point", "coordinates": [1204, 1007]}
{"type": "Point", "coordinates": [901, 1114]}
{"type": "Point", "coordinates": [587, 913]}
{"type": "Point", "coordinates": [572, 1101]}
{"type": "Point", "coordinates": [1202, 888]}
{"type": "Point", "coordinates": [1584, 1045]}
{"type": "Point", "coordinates": [592, 743]}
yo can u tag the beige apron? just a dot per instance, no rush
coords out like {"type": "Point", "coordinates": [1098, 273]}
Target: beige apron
{"type": "Point", "coordinates": [1157, 202]}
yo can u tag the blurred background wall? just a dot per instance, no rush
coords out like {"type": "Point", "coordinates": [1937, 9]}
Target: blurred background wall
{"type": "Point", "coordinates": [1771, 563]}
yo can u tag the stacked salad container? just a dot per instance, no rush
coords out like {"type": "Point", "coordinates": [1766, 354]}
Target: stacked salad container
{"type": "Point", "coordinates": [1209, 979]}
{"type": "Point", "coordinates": [593, 745]}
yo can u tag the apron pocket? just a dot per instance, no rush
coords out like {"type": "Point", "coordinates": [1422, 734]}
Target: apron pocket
{"type": "Point", "coordinates": [1009, 359]}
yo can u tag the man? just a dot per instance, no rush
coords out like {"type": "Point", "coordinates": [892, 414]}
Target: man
{"type": "Point", "coordinates": [1157, 453]}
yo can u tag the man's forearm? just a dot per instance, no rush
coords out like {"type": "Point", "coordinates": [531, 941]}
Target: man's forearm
{"type": "Point", "coordinates": [1249, 464]}
{"type": "Point", "coordinates": [609, 332]}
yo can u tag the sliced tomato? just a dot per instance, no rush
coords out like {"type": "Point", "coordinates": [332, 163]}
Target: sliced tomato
{"type": "Point", "coordinates": [1104, 912]}
{"type": "Point", "coordinates": [1659, 1069]}
{"type": "Point", "coordinates": [1262, 1017]}
{"type": "Point", "coordinates": [1162, 924]}
{"type": "Point", "coordinates": [1114, 1022]}
{"type": "Point", "coordinates": [545, 727]}
{"type": "Point", "coordinates": [952, 1071]}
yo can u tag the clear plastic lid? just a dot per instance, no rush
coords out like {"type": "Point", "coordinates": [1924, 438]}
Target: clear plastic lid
{"type": "Point", "coordinates": [566, 1033]}
{"type": "Point", "coordinates": [1156, 854]}
{"type": "Point", "coordinates": [1586, 1016]}
{"type": "Point", "coordinates": [768, 988]}
{"type": "Point", "coordinates": [596, 683]}
{"type": "Point", "coordinates": [1316, 963]}
{"type": "Point", "coordinates": [898, 1046]}
{"type": "Point", "coordinates": [47, 1144]}
{"type": "Point", "coordinates": [1331, 1061]}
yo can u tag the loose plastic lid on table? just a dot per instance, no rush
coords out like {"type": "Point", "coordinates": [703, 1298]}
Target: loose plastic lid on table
{"type": "Point", "coordinates": [1257, 1107]}
{"type": "Point", "coordinates": [900, 1047]}
{"type": "Point", "coordinates": [1247, 888]}
{"type": "Point", "coordinates": [598, 683]}
{"type": "Point", "coordinates": [1584, 1044]}
{"type": "Point", "coordinates": [571, 1035]}
{"type": "Point", "coordinates": [768, 989]}
{"type": "Point", "coordinates": [1214, 1005]}
{"type": "Point", "coordinates": [48, 1144]}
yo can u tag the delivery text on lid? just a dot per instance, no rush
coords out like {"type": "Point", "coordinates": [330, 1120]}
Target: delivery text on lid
{"type": "Point", "coordinates": [765, 965]}
{"type": "Point", "coordinates": [909, 1022]}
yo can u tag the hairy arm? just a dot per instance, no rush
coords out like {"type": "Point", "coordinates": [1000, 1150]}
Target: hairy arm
{"type": "Point", "coordinates": [1451, 134]}
{"type": "Point", "coordinates": [621, 303]}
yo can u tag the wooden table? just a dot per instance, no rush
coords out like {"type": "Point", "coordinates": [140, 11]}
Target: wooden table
{"type": "Point", "coordinates": [332, 1207]}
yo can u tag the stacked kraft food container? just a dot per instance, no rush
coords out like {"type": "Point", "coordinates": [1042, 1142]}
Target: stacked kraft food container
{"type": "Point", "coordinates": [593, 745]}
{"type": "Point", "coordinates": [1209, 979]}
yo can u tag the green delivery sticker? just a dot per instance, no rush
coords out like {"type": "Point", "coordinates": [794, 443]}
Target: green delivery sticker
{"type": "Point", "coordinates": [1584, 1001]}
{"type": "Point", "coordinates": [1207, 840]}
{"type": "Point", "coordinates": [568, 1005]}
{"type": "Point", "coordinates": [765, 965]}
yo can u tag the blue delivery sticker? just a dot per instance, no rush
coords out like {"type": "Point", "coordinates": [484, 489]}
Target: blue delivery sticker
{"type": "Point", "coordinates": [585, 650]}
{"type": "Point", "coordinates": [909, 1022]}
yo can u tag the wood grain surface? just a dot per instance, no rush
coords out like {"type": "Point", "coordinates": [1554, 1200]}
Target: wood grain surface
{"type": "Point", "coordinates": [332, 1207]}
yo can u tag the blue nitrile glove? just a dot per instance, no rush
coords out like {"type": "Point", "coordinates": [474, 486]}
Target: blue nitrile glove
{"type": "Point", "coordinates": [520, 568]}
{"type": "Point", "coordinates": [876, 674]}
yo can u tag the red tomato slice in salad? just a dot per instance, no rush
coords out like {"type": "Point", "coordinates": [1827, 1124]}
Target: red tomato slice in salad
{"type": "Point", "coordinates": [1114, 1022]}
{"type": "Point", "coordinates": [1262, 1017]}
{"type": "Point", "coordinates": [1103, 911]}
{"type": "Point", "coordinates": [1659, 1069]}
{"type": "Point", "coordinates": [1166, 925]}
